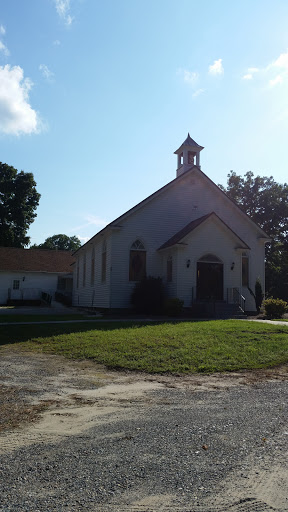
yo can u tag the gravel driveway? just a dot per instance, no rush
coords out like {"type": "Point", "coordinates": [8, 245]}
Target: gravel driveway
{"type": "Point", "coordinates": [110, 441]}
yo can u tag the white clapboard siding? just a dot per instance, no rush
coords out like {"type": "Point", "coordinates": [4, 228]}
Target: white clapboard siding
{"type": "Point", "coordinates": [31, 284]}
{"type": "Point", "coordinates": [97, 294]}
{"type": "Point", "coordinates": [187, 198]}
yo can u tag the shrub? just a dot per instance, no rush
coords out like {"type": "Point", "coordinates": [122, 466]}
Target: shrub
{"type": "Point", "coordinates": [275, 308]}
{"type": "Point", "coordinates": [148, 295]}
{"type": "Point", "coordinates": [173, 306]}
{"type": "Point", "coordinates": [258, 295]}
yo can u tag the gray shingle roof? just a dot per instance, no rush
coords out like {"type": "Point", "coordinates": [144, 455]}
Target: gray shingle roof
{"type": "Point", "coordinates": [175, 239]}
{"type": "Point", "coordinates": [189, 142]}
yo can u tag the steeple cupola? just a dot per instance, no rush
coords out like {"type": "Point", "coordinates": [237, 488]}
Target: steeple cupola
{"type": "Point", "coordinates": [187, 153]}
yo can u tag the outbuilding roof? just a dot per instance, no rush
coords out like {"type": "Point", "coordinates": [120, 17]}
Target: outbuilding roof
{"type": "Point", "coordinates": [35, 260]}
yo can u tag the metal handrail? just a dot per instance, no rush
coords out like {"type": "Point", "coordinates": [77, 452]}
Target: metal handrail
{"type": "Point", "coordinates": [238, 298]}
{"type": "Point", "coordinates": [46, 297]}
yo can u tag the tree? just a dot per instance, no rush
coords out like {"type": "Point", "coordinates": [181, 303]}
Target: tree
{"type": "Point", "coordinates": [60, 242]}
{"type": "Point", "coordinates": [266, 202]}
{"type": "Point", "coordinates": [18, 202]}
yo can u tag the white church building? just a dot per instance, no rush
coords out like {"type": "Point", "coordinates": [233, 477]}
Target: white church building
{"type": "Point", "coordinates": [189, 233]}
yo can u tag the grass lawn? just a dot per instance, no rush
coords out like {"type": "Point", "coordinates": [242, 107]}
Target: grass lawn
{"type": "Point", "coordinates": [179, 348]}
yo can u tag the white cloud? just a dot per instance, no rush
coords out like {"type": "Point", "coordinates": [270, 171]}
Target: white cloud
{"type": "Point", "coordinates": [216, 68]}
{"type": "Point", "coordinates": [63, 10]}
{"type": "Point", "coordinates": [46, 72]}
{"type": "Point", "coordinates": [91, 220]}
{"type": "Point", "coordinates": [275, 73]}
{"type": "Point", "coordinates": [16, 114]}
{"type": "Point", "coordinates": [83, 239]}
{"type": "Point", "coordinates": [277, 80]}
{"type": "Point", "coordinates": [4, 49]}
{"type": "Point", "coordinates": [280, 65]}
{"type": "Point", "coordinates": [282, 61]}
{"type": "Point", "coordinates": [250, 73]}
{"type": "Point", "coordinates": [190, 76]}
{"type": "Point", "coordinates": [198, 92]}
{"type": "Point", "coordinates": [56, 42]}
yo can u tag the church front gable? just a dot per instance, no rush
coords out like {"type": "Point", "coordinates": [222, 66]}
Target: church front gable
{"type": "Point", "coordinates": [208, 262]}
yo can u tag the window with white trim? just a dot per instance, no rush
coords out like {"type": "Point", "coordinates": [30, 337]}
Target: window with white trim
{"type": "Point", "coordinates": [137, 261]}
{"type": "Point", "coordinates": [169, 269]}
{"type": "Point", "coordinates": [104, 262]}
{"type": "Point", "coordinates": [93, 267]}
{"type": "Point", "coordinates": [84, 271]}
{"type": "Point", "coordinates": [77, 274]}
{"type": "Point", "coordinates": [245, 270]}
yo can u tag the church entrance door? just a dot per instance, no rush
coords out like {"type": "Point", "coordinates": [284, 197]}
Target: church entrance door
{"type": "Point", "coordinates": [209, 278]}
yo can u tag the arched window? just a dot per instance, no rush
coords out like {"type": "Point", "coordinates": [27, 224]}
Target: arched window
{"type": "Point", "coordinates": [137, 261]}
{"type": "Point", "coordinates": [93, 267]}
{"type": "Point", "coordinates": [210, 258]}
{"type": "Point", "coordinates": [169, 269]}
{"type": "Point", "coordinates": [103, 266]}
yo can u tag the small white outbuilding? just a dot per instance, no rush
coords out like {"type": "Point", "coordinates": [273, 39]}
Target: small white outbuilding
{"type": "Point", "coordinates": [26, 274]}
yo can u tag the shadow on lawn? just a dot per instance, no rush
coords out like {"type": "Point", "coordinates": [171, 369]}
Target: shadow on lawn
{"type": "Point", "coordinates": [10, 334]}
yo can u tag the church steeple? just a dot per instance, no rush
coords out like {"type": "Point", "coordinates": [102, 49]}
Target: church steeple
{"type": "Point", "coordinates": [186, 155]}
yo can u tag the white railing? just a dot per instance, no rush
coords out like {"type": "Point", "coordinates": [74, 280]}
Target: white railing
{"type": "Point", "coordinates": [24, 294]}
{"type": "Point", "coordinates": [235, 297]}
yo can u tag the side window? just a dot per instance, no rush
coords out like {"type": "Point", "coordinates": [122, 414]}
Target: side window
{"type": "Point", "coordinates": [137, 261]}
{"type": "Point", "coordinates": [77, 274]}
{"type": "Point", "coordinates": [61, 283]}
{"type": "Point", "coordinates": [16, 284]}
{"type": "Point", "coordinates": [103, 265]}
{"type": "Point", "coordinates": [245, 270]}
{"type": "Point", "coordinates": [84, 271]}
{"type": "Point", "coordinates": [93, 267]}
{"type": "Point", "coordinates": [169, 269]}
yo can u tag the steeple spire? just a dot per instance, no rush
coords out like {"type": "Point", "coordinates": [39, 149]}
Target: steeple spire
{"type": "Point", "coordinates": [186, 155]}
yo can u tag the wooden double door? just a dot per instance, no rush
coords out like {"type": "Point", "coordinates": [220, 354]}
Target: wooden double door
{"type": "Point", "coordinates": [209, 280]}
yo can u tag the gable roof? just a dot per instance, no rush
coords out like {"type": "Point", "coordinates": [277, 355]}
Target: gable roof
{"type": "Point", "coordinates": [175, 239]}
{"type": "Point", "coordinates": [35, 260]}
{"type": "Point", "coordinates": [194, 168]}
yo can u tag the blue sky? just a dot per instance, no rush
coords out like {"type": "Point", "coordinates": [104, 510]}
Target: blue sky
{"type": "Point", "coordinates": [96, 96]}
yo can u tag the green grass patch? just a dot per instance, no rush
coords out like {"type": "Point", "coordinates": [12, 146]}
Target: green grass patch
{"type": "Point", "coordinates": [179, 348]}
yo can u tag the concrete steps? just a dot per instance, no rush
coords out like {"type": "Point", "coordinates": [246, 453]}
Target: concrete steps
{"type": "Point", "coordinates": [216, 310]}
{"type": "Point", "coordinates": [224, 310]}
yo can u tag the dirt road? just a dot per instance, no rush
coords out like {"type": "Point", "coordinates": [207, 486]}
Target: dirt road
{"type": "Point", "coordinates": [116, 441]}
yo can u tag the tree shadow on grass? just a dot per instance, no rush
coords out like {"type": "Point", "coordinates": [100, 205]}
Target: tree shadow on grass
{"type": "Point", "coordinates": [11, 334]}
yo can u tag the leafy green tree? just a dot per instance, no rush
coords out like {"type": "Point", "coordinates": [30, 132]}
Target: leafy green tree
{"type": "Point", "coordinates": [18, 202]}
{"type": "Point", "coordinates": [266, 202]}
{"type": "Point", "coordinates": [60, 242]}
